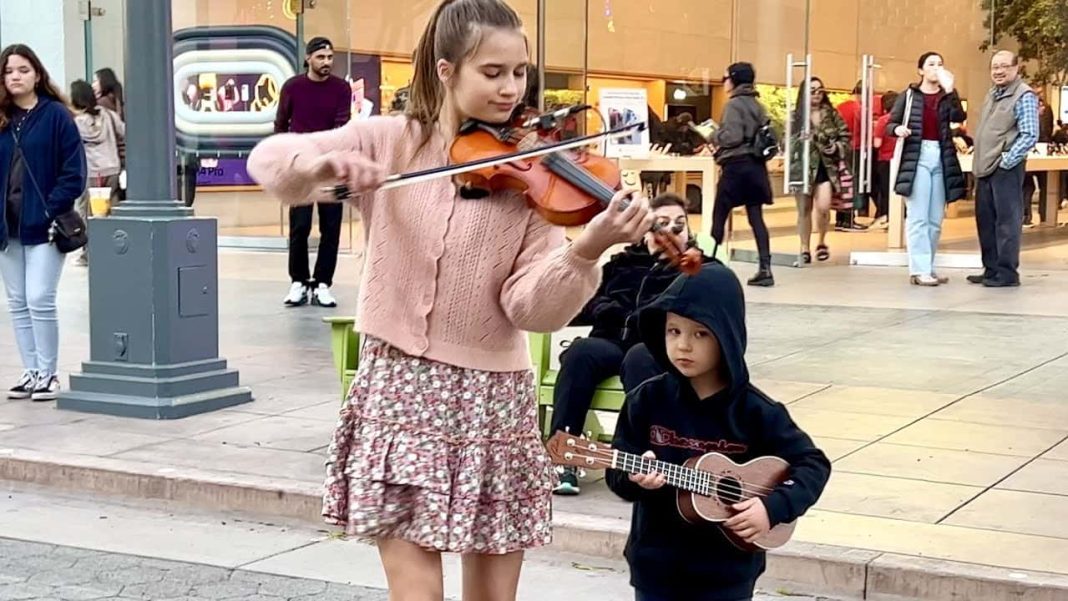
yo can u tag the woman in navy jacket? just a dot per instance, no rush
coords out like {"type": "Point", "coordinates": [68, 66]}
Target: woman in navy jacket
{"type": "Point", "coordinates": [42, 173]}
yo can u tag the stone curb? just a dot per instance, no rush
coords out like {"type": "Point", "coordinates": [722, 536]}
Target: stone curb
{"type": "Point", "coordinates": [797, 568]}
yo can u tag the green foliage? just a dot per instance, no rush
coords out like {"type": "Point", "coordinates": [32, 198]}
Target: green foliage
{"type": "Point", "coordinates": [1041, 29]}
{"type": "Point", "coordinates": [555, 99]}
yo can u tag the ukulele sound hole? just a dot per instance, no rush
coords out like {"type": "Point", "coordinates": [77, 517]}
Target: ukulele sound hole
{"type": "Point", "coordinates": [729, 490]}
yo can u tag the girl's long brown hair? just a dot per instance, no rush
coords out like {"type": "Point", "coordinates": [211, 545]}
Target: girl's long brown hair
{"type": "Point", "coordinates": [453, 34]}
{"type": "Point", "coordinates": [44, 87]}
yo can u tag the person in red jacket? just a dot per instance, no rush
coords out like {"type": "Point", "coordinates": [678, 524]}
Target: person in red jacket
{"type": "Point", "coordinates": [850, 112]}
{"type": "Point", "coordinates": [884, 146]}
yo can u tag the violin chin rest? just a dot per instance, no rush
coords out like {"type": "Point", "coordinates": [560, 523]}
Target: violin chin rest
{"type": "Point", "coordinates": [470, 193]}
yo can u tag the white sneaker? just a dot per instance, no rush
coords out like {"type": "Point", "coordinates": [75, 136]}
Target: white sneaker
{"type": "Point", "coordinates": [881, 223]}
{"type": "Point", "coordinates": [47, 388]}
{"type": "Point", "coordinates": [24, 389]}
{"type": "Point", "coordinates": [298, 295]}
{"type": "Point", "coordinates": [323, 297]}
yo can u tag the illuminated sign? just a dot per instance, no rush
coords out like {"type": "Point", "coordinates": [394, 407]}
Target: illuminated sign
{"type": "Point", "coordinates": [227, 82]}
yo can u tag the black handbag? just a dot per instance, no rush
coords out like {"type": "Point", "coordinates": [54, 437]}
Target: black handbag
{"type": "Point", "coordinates": [68, 231]}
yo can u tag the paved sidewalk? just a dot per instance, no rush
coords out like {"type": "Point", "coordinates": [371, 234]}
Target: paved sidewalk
{"type": "Point", "coordinates": [77, 550]}
{"type": "Point", "coordinates": [944, 410]}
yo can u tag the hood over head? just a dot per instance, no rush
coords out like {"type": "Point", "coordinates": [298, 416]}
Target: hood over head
{"type": "Point", "coordinates": [714, 298]}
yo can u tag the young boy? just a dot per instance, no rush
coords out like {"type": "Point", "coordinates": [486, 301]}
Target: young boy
{"type": "Point", "coordinates": [705, 403]}
{"type": "Point", "coordinates": [632, 278]}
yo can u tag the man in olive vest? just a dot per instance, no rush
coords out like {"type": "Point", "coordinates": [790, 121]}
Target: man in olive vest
{"type": "Point", "coordinates": [1008, 130]}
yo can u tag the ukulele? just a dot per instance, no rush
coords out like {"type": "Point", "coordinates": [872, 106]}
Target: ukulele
{"type": "Point", "coordinates": [706, 486]}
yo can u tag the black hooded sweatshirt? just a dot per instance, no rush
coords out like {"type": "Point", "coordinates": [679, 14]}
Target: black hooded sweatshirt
{"type": "Point", "coordinates": [668, 556]}
{"type": "Point", "coordinates": [630, 279]}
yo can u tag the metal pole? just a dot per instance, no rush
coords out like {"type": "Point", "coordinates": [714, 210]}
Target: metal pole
{"type": "Point", "coordinates": [806, 159]}
{"type": "Point", "coordinates": [150, 134]}
{"type": "Point", "coordinates": [87, 29]}
{"type": "Point", "coordinates": [865, 114]}
{"type": "Point", "coordinates": [541, 55]}
{"type": "Point", "coordinates": [806, 155]}
{"type": "Point", "coordinates": [791, 103]}
{"type": "Point", "coordinates": [153, 269]}
{"type": "Point", "coordinates": [300, 31]}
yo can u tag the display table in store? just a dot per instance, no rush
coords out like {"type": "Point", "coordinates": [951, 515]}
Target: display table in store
{"type": "Point", "coordinates": [680, 166]}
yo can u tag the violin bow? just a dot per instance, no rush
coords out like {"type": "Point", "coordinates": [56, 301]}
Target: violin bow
{"type": "Point", "coordinates": [342, 192]}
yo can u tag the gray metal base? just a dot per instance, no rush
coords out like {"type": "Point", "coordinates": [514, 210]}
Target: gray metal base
{"type": "Point", "coordinates": [154, 392]}
{"type": "Point", "coordinates": [154, 408]}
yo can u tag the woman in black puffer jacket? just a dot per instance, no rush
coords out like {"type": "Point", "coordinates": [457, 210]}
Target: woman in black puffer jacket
{"type": "Point", "coordinates": [930, 174]}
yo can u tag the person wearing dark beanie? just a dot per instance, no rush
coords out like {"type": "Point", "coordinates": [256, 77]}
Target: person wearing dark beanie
{"type": "Point", "coordinates": [744, 181]}
{"type": "Point", "coordinates": [741, 74]}
{"type": "Point", "coordinates": [313, 101]}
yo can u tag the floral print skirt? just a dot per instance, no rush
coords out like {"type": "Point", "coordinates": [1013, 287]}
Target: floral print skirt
{"type": "Point", "coordinates": [445, 457]}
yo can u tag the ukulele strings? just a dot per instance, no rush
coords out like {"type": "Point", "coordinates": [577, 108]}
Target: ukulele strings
{"type": "Point", "coordinates": [696, 475]}
{"type": "Point", "coordinates": [704, 481]}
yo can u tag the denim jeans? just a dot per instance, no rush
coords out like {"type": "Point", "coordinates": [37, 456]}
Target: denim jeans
{"type": "Point", "coordinates": [927, 208]}
{"type": "Point", "coordinates": [31, 276]}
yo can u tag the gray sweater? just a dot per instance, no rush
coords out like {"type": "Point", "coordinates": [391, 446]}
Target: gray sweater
{"type": "Point", "coordinates": [101, 134]}
{"type": "Point", "coordinates": [742, 118]}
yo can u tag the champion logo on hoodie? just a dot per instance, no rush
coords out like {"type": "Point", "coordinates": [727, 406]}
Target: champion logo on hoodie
{"type": "Point", "coordinates": [664, 437]}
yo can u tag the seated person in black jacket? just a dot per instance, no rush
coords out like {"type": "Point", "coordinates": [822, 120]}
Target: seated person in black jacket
{"type": "Point", "coordinates": [633, 277]}
{"type": "Point", "coordinates": [705, 403]}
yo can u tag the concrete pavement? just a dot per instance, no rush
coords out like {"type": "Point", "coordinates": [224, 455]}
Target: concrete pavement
{"type": "Point", "coordinates": [943, 409]}
{"type": "Point", "coordinates": [78, 550]}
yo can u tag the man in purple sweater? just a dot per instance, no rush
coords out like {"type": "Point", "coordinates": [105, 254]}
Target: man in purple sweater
{"type": "Point", "coordinates": [314, 101]}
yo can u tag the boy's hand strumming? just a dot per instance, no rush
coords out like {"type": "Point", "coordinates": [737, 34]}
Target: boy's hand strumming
{"type": "Point", "coordinates": [751, 522]}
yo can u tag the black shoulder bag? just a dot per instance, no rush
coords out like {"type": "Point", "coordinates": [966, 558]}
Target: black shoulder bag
{"type": "Point", "coordinates": [68, 231]}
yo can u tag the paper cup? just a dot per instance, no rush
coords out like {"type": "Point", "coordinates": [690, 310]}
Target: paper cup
{"type": "Point", "coordinates": [99, 201]}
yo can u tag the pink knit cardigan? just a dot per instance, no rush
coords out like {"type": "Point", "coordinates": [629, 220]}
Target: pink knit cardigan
{"type": "Point", "coordinates": [445, 278]}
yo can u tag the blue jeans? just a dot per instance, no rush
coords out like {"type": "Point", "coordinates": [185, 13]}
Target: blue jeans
{"type": "Point", "coordinates": [927, 208]}
{"type": "Point", "coordinates": [31, 276]}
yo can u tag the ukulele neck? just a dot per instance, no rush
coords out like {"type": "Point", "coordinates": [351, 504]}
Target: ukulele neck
{"type": "Point", "coordinates": [681, 477]}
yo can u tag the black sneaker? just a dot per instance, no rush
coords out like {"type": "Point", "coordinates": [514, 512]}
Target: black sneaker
{"type": "Point", "coordinates": [568, 485]}
{"type": "Point", "coordinates": [762, 278]}
{"type": "Point", "coordinates": [976, 279]}
{"type": "Point", "coordinates": [24, 389]}
{"type": "Point", "coordinates": [47, 388]}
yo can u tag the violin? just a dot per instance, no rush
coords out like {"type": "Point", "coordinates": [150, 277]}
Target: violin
{"type": "Point", "coordinates": [565, 188]}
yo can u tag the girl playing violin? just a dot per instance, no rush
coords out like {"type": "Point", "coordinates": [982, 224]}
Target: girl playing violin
{"type": "Point", "coordinates": [437, 448]}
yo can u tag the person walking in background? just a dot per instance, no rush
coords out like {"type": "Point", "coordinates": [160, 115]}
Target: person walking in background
{"type": "Point", "coordinates": [109, 91]}
{"type": "Point", "coordinates": [852, 114]}
{"type": "Point", "coordinates": [744, 181]}
{"type": "Point", "coordinates": [884, 144]}
{"type": "Point", "coordinates": [109, 95]}
{"type": "Point", "coordinates": [830, 149]}
{"type": "Point", "coordinates": [930, 174]}
{"type": "Point", "coordinates": [102, 131]}
{"type": "Point", "coordinates": [314, 101]}
{"type": "Point", "coordinates": [42, 174]}
{"type": "Point", "coordinates": [1008, 129]}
